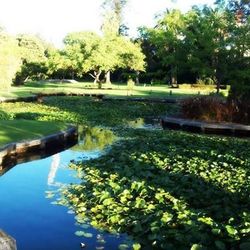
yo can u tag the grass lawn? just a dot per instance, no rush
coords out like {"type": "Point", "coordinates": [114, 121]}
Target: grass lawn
{"type": "Point", "coordinates": [113, 90]}
{"type": "Point", "coordinates": [18, 130]}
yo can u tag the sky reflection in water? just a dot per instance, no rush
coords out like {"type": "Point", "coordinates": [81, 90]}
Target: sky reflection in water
{"type": "Point", "coordinates": [28, 216]}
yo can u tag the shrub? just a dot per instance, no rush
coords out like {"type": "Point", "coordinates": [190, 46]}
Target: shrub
{"type": "Point", "coordinates": [6, 116]}
{"type": "Point", "coordinates": [207, 108]}
{"type": "Point", "coordinates": [239, 99]}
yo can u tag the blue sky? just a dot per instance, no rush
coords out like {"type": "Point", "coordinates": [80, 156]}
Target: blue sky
{"type": "Point", "coordinates": [53, 19]}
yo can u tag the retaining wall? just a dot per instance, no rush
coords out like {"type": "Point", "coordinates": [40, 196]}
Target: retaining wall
{"type": "Point", "coordinates": [14, 153]}
{"type": "Point", "coordinates": [230, 129]}
{"type": "Point", "coordinates": [7, 242]}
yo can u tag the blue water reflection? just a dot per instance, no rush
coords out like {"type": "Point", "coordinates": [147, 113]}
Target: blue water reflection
{"type": "Point", "coordinates": [28, 216]}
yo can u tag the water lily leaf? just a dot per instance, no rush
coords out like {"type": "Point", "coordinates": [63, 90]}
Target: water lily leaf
{"type": "Point", "coordinates": [245, 246]}
{"type": "Point", "coordinates": [136, 246]}
{"type": "Point", "coordinates": [220, 245]}
{"type": "Point", "coordinates": [123, 247]}
{"type": "Point", "coordinates": [231, 230]}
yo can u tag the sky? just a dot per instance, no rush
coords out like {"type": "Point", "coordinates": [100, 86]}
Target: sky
{"type": "Point", "coordinates": [53, 19]}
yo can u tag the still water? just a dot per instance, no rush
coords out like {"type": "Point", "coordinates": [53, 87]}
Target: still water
{"type": "Point", "coordinates": [28, 215]}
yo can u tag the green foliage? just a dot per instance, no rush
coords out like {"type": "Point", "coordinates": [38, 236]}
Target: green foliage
{"type": "Point", "coordinates": [204, 43]}
{"type": "Point", "coordinates": [183, 192]}
{"type": "Point", "coordinates": [10, 60]}
{"type": "Point", "coordinates": [239, 98]}
{"type": "Point", "coordinates": [94, 54]}
{"type": "Point", "coordinates": [84, 111]}
{"type": "Point", "coordinates": [32, 51]}
{"type": "Point", "coordinates": [6, 116]}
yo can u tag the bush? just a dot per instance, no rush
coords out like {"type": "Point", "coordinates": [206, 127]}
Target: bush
{"type": "Point", "coordinates": [197, 86]}
{"type": "Point", "coordinates": [239, 99]}
{"type": "Point", "coordinates": [207, 108]}
{"type": "Point", "coordinates": [6, 116]}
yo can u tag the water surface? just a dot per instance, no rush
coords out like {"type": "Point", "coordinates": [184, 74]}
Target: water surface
{"type": "Point", "coordinates": [28, 215]}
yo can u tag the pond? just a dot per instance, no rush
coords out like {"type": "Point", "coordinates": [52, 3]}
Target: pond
{"type": "Point", "coordinates": [27, 211]}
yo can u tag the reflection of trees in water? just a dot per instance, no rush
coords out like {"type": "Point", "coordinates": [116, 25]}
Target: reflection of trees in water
{"type": "Point", "coordinates": [53, 169]}
{"type": "Point", "coordinates": [93, 138]}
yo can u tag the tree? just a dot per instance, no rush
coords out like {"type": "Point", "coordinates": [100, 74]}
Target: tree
{"type": "Point", "coordinates": [207, 35]}
{"type": "Point", "coordinates": [32, 50]}
{"type": "Point", "coordinates": [10, 59]}
{"type": "Point", "coordinates": [93, 54]}
{"type": "Point", "coordinates": [113, 11]}
{"type": "Point", "coordinates": [167, 40]}
{"type": "Point", "coordinates": [113, 23]}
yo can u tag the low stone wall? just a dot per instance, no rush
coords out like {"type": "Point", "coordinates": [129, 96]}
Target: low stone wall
{"type": "Point", "coordinates": [7, 242]}
{"type": "Point", "coordinates": [13, 151]}
{"type": "Point", "coordinates": [230, 129]}
{"type": "Point", "coordinates": [40, 95]}
{"type": "Point", "coordinates": [31, 98]}
{"type": "Point", "coordinates": [139, 99]}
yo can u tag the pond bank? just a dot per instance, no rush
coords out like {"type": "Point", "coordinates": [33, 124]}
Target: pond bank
{"type": "Point", "coordinates": [230, 129]}
{"type": "Point", "coordinates": [7, 242]}
{"type": "Point", "coordinates": [39, 96]}
{"type": "Point", "coordinates": [17, 152]}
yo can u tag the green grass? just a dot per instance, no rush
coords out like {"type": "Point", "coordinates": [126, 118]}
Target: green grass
{"type": "Point", "coordinates": [18, 130]}
{"type": "Point", "coordinates": [117, 90]}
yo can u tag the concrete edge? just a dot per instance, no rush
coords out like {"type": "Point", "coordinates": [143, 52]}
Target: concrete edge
{"type": "Point", "coordinates": [6, 241]}
{"type": "Point", "coordinates": [30, 98]}
{"type": "Point", "coordinates": [39, 96]}
{"type": "Point", "coordinates": [41, 144]}
{"type": "Point", "coordinates": [229, 129]}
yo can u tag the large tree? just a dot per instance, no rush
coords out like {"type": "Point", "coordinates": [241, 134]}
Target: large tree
{"type": "Point", "coordinates": [166, 39]}
{"type": "Point", "coordinates": [93, 54]}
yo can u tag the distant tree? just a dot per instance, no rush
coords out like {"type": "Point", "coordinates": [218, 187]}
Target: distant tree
{"type": "Point", "coordinates": [167, 41]}
{"type": "Point", "coordinates": [10, 60]}
{"type": "Point", "coordinates": [93, 54]}
{"type": "Point", "coordinates": [113, 13]}
{"type": "Point", "coordinates": [113, 23]}
{"type": "Point", "coordinates": [32, 50]}
{"type": "Point", "coordinates": [207, 35]}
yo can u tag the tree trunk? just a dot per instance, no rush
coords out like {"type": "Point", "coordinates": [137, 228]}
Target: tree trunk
{"type": "Point", "coordinates": [173, 75]}
{"type": "Point", "coordinates": [96, 76]}
{"type": "Point", "coordinates": [107, 77]}
{"type": "Point", "coordinates": [137, 81]}
{"type": "Point", "coordinates": [217, 86]}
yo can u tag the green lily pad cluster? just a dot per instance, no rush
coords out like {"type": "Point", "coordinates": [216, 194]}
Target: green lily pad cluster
{"type": "Point", "coordinates": [84, 110]}
{"type": "Point", "coordinates": [168, 190]}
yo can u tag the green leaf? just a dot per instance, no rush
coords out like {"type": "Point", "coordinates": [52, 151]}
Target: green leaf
{"type": "Point", "coordinates": [123, 247]}
{"type": "Point", "coordinates": [136, 246]}
{"type": "Point", "coordinates": [245, 246]}
{"type": "Point", "coordinates": [231, 230]}
{"type": "Point", "coordinates": [220, 245]}
{"type": "Point", "coordinates": [83, 234]}
{"type": "Point", "coordinates": [79, 233]}
{"type": "Point", "coordinates": [197, 247]}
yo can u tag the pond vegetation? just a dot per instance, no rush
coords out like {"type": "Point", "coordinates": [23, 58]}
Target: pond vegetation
{"type": "Point", "coordinates": [166, 190]}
